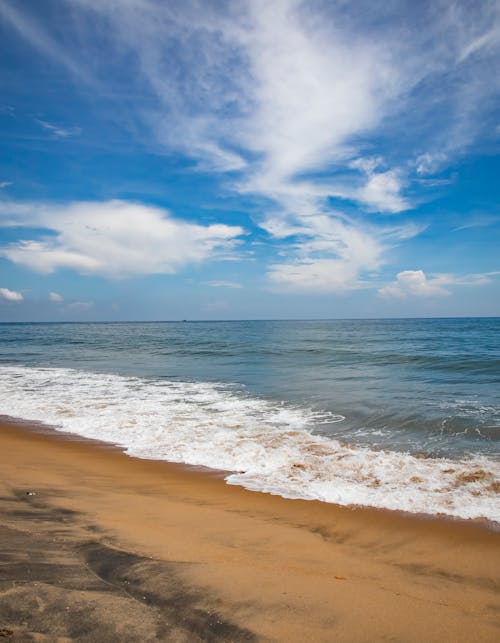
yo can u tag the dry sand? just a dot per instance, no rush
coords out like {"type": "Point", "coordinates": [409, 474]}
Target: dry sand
{"type": "Point", "coordinates": [98, 546]}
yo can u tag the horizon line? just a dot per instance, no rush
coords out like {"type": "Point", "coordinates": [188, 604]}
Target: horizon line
{"type": "Point", "coordinates": [270, 319]}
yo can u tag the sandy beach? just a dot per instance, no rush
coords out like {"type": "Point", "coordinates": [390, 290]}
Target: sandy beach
{"type": "Point", "coordinates": [98, 546]}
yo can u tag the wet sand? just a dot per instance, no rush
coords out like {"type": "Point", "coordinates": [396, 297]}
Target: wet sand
{"type": "Point", "coordinates": [98, 546]}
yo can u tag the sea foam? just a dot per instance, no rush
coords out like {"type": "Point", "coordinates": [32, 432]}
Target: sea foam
{"type": "Point", "coordinates": [268, 446]}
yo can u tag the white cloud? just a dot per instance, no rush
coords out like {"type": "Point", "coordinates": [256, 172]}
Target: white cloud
{"type": "Point", "coordinates": [382, 192]}
{"type": "Point", "coordinates": [60, 132]}
{"type": "Point", "coordinates": [5, 184]}
{"type": "Point", "coordinates": [415, 283]}
{"type": "Point", "coordinates": [309, 105]}
{"type": "Point", "coordinates": [10, 295]}
{"type": "Point", "coordinates": [308, 101]}
{"type": "Point", "coordinates": [112, 238]}
{"type": "Point", "coordinates": [56, 297]}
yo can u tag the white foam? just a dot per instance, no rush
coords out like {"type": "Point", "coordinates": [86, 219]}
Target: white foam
{"type": "Point", "coordinates": [268, 446]}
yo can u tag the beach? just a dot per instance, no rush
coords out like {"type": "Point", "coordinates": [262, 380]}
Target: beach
{"type": "Point", "coordinates": [100, 546]}
{"type": "Point", "coordinates": [250, 321]}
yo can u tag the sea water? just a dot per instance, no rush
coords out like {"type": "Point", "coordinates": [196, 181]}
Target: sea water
{"type": "Point", "coordinates": [401, 414]}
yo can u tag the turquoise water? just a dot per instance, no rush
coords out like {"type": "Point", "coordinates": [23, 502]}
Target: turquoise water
{"type": "Point", "coordinates": [280, 402]}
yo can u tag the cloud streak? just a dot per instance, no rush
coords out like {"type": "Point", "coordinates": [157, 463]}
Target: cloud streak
{"type": "Point", "coordinates": [59, 132]}
{"type": "Point", "coordinates": [38, 37]}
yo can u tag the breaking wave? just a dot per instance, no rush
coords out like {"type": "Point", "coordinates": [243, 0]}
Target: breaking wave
{"type": "Point", "coordinates": [268, 446]}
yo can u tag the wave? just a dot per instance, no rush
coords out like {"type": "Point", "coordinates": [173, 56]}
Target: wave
{"type": "Point", "coordinates": [268, 446]}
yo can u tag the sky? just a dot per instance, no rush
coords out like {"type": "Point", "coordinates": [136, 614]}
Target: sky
{"type": "Point", "coordinates": [165, 160]}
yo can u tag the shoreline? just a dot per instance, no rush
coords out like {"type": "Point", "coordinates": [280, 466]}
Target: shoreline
{"type": "Point", "coordinates": [271, 567]}
{"type": "Point", "coordinates": [269, 445]}
{"type": "Point", "coordinates": [51, 432]}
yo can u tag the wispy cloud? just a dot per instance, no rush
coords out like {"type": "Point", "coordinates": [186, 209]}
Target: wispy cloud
{"type": "Point", "coordinates": [5, 184]}
{"type": "Point", "coordinates": [10, 295]}
{"type": "Point", "coordinates": [112, 238]}
{"type": "Point", "coordinates": [429, 163]}
{"type": "Point", "coordinates": [478, 221]}
{"type": "Point", "coordinates": [415, 283]}
{"type": "Point", "coordinates": [486, 39]}
{"type": "Point", "coordinates": [56, 297]}
{"type": "Point", "coordinates": [40, 39]}
{"type": "Point", "coordinates": [60, 132]}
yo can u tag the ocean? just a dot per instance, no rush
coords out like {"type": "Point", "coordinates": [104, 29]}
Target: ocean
{"type": "Point", "coordinates": [399, 414]}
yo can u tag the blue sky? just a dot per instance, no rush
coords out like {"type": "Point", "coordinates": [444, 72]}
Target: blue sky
{"type": "Point", "coordinates": [239, 160]}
